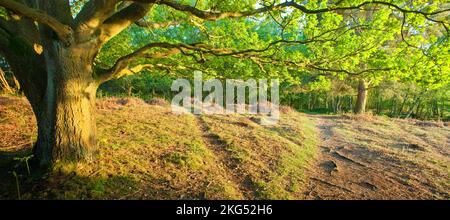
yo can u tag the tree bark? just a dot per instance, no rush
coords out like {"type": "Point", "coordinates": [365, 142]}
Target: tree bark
{"type": "Point", "coordinates": [402, 106]}
{"type": "Point", "coordinates": [66, 118]}
{"type": "Point", "coordinates": [361, 101]}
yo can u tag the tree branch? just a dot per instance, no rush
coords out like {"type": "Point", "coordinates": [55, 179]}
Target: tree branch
{"type": "Point", "coordinates": [94, 13]}
{"type": "Point", "coordinates": [122, 65]}
{"type": "Point", "coordinates": [155, 25]}
{"type": "Point", "coordinates": [210, 15]}
{"type": "Point", "coordinates": [63, 31]}
{"type": "Point", "coordinates": [122, 19]}
{"type": "Point", "coordinates": [347, 71]}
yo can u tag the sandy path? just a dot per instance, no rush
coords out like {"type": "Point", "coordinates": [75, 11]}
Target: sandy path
{"type": "Point", "coordinates": [348, 170]}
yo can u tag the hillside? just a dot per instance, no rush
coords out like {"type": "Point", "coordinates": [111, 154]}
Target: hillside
{"type": "Point", "coordinates": [147, 152]}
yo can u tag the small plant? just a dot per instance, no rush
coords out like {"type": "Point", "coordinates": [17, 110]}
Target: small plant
{"type": "Point", "coordinates": [17, 183]}
{"type": "Point", "coordinates": [15, 173]}
{"type": "Point", "coordinates": [25, 160]}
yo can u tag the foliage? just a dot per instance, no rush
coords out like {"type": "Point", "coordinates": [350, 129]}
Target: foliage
{"type": "Point", "coordinates": [309, 52]}
{"type": "Point", "coordinates": [374, 44]}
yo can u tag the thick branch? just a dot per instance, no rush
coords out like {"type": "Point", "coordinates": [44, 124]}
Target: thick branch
{"type": "Point", "coordinates": [123, 19]}
{"type": "Point", "coordinates": [23, 28]}
{"type": "Point", "coordinates": [64, 32]}
{"type": "Point", "coordinates": [94, 13]}
{"type": "Point", "coordinates": [123, 63]}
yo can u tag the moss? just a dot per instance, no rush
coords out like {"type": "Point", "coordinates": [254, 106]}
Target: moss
{"type": "Point", "coordinates": [176, 158]}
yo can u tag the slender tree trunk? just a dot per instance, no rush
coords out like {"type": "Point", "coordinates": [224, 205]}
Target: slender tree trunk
{"type": "Point", "coordinates": [420, 111]}
{"type": "Point", "coordinates": [350, 103]}
{"type": "Point", "coordinates": [338, 105]}
{"type": "Point", "coordinates": [393, 106]}
{"type": "Point", "coordinates": [360, 107]}
{"type": "Point", "coordinates": [379, 104]}
{"type": "Point", "coordinates": [437, 110]}
{"type": "Point", "coordinates": [402, 106]}
{"type": "Point", "coordinates": [309, 101]}
{"type": "Point", "coordinates": [331, 104]}
{"type": "Point", "coordinates": [314, 102]}
{"type": "Point", "coordinates": [415, 104]}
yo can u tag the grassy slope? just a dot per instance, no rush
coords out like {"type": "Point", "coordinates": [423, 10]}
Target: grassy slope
{"type": "Point", "coordinates": [149, 153]}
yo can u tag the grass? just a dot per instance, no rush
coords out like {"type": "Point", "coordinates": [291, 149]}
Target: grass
{"type": "Point", "coordinates": [147, 152]}
{"type": "Point", "coordinates": [17, 124]}
{"type": "Point", "coordinates": [274, 157]}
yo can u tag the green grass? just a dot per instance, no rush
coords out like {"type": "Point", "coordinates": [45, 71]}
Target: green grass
{"type": "Point", "coordinates": [273, 157]}
{"type": "Point", "coordinates": [146, 152]}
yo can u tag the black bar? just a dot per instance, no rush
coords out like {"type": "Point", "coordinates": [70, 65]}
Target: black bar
{"type": "Point", "coordinates": [231, 209]}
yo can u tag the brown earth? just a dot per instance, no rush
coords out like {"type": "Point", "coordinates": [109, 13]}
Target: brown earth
{"type": "Point", "coordinates": [370, 157]}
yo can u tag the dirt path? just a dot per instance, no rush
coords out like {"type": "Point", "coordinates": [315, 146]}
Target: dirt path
{"type": "Point", "coordinates": [348, 169]}
{"type": "Point", "coordinates": [230, 167]}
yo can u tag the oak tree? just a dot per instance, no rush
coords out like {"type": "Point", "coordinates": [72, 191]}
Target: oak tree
{"type": "Point", "coordinates": [52, 46]}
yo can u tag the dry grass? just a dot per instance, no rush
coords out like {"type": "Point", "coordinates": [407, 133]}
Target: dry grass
{"type": "Point", "coordinates": [17, 124]}
{"type": "Point", "coordinates": [147, 152]}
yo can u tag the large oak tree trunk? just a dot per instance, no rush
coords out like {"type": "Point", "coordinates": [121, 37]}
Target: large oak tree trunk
{"type": "Point", "coordinates": [51, 54]}
{"type": "Point", "coordinates": [66, 118]}
{"type": "Point", "coordinates": [360, 107]}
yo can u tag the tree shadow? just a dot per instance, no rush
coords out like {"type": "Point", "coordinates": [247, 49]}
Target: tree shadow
{"type": "Point", "coordinates": [62, 183]}
{"type": "Point", "coordinates": [21, 179]}
{"type": "Point", "coordinates": [10, 168]}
